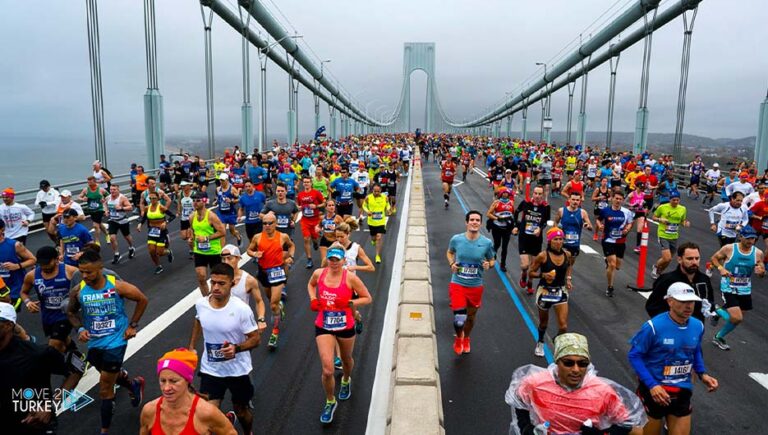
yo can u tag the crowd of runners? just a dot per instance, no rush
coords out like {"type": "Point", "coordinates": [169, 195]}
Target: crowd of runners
{"type": "Point", "coordinates": [237, 216]}
{"type": "Point", "coordinates": [612, 195]}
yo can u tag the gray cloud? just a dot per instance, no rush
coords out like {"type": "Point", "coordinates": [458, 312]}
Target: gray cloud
{"type": "Point", "coordinates": [484, 48]}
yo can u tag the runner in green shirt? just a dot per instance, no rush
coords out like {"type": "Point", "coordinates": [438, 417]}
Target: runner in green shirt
{"type": "Point", "coordinates": [669, 217]}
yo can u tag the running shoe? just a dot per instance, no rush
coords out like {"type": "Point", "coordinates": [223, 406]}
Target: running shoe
{"type": "Point", "coordinates": [346, 389]}
{"type": "Point", "coordinates": [358, 326]}
{"type": "Point", "coordinates": [272, 344]}
{"type": "Point", "coordinates": [654, 272]}
{"type": "Point", "coordinates": [529, 290]}
{"type": "Point", "coordinates": [137, 391]}
{"type": "Point", "coordinates": [720, 342]}
{"type": "Point", "coordinates": [539, 350]}
{"type": "Point", "coordinates": [159, 270]}
{"type": "Point", "coordinates": [466, 345]}
{"type": "Point", "coordinates": [282, 310]}
{"type": "Point", "coordinates": [714, 319]}
{"type": "Point", "coordinates": [637, 249]}
{"type": "Point", "coordinates": [116, 259]}
{"type": "Point", "coordinates": [609, 292]}
{"type": "Point", "coordinates": [309, 264]}
{"type": "Point", "coordinates": [458, 345]}
{"type": "Point", "coordinates": [131, 252]}
{"type": "Point", "coordinates": [446, 203]}
{"type": "Point", "coordinates": [337, 363]}
{"type": "Point", "coordinates": [523, 283]}
{"type": "Point", "coordinates": [283, 295]}
{"type": "Point", "coordinates": [170, 256]}
{"type": "Point", "coordinates": [378, 259]}
{"type": "Point", "coordinates": [503, 267]}
{"type": "Point", "coordinates": [232, 417]}
{"type": "Point", "coordinates": [328, 411]}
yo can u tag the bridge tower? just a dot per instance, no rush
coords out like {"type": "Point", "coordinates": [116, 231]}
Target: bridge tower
{"type": "Point", "coordinates": [418, 56]}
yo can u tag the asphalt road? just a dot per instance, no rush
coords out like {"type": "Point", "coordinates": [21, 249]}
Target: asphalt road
{"type": "Point", "coordinates": [289, 396]}
{"type": "Point", "coordinates": [473, 385]}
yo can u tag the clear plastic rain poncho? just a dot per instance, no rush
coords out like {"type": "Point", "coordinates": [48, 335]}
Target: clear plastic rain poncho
{"type": "Point", "coordinates": [601, 401]}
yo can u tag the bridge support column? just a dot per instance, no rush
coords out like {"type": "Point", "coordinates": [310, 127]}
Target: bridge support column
{"type": "Point", "coordinates": [153, 101]}
{"type": "Point", "coordinates": [761, 145]}
{"type": "Point", "coordinates": [317, 111]}
{"type": "Point", "coordinates": [684, 66]}
{"type": "Point", "coordinates": [332, 128]}
{"type": "Point", "coordinates": [291, 115]}
{"type": "Point", "coordinates": [97, 97]}
{"type": "Point", "coordinates": [524, 128]}
{"type": "Point", "coordinates": [547, 122]}
{"type": "Point", "coordinates": [571, 88]}
{"type": "Point", "coordinates": [207, 21]}
{"type": "Point", "coordinates": [263, 95]}
{"type": "Point", "coordinates": [509, 126]}
{"type": "Point", "coordinates": [581, 126]}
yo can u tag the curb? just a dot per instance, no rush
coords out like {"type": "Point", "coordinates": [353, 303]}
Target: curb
{"type": "Point", "coordinates": [415, 400]}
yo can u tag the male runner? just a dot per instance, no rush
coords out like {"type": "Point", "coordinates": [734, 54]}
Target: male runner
{"type": "Point", "coordinates": [251, 203]}
{"type": "Point", "coordinates": [669, 216]}
{"type": "Point", "coordinates": [344, 189]}
{"type": "Point", "coordinates": [469, 255]}
{"type": "Point", "coordinates": [572, 218]}
{"type": "Point", "coordinates": [531, 218]}
{"type": "Point", "coordinates": [207, 235]}
{"type": "Point", "coordinates": [229, 333]}
{"type": "Point", "coordinates": [310, 201]}
{"type": "Point", "coordinates": [733, 217]}
{"type": "Point", "coordinates": [107, 329]}
{"type": "Point", "coordinates": [16, 217]}
{"type": "Point", "coordinates": [227, 199]}
{"type": "Point", "coordinates": [14, 258]}
{"type": "Point", "coordinates": [447, 173]}
{"type": "Point", "coordinates": [377, 208]}
{"type": "Point", "coordinates": [285, 209]}
{"type": "Point", "coordinates": [118, 206]}
{"type": "Point", "coordinates": [614, 222]}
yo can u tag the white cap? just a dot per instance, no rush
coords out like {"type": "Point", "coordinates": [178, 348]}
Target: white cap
{"type": "Point", "coordinates": [223, 176]}
{"type": "Point", "coordinates": [65, 192]}
{"type": "Point", "coordinates": [682, 292]}
{"type": "Point", "coordinates": [7, 312]}
{"type": "Point", "coordinates": [233, 250]}
{"type": "Point", "coordinates": [184, 183]}
{"type": "Point", "coordinates": [715, 165]}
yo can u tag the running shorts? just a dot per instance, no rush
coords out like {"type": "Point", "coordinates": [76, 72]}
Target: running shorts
{"type": "Point", "coordinates": [203, 260]}
{"type": "Point", "coordinates": [616, 249]}
{"type": "Point", "coordinates": [680, 404]}
{"type": "Point", "coordinates": [107, 360]}
{"type": "Point", "coordinates": [377, 229]}
{"type": "Point", "coordinates": [546, 299]}
{"type": "Point", "coordinates": [344, 333]}
{"type": "Point", "coordinates": [215, 387]}
{"type": "Point", "coordinates": [57, 330]}
{"type": "Point", "coordinates": [309, 228]}
{"type": "Point", "coordinates": [114, 227]}
{"type": "Point", "coordinates": [731, 300]}
{"type": "Point", "coordinates": [528, 245]}
{"type": "Point", "coordinates": [462, 297]}
{"type": "Point", "coordinates": [228, 218]}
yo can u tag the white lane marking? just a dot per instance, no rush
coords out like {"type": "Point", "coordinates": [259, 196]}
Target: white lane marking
{"type": "Point", "coordinates": [760, 378]}
{"type": "Point", "coordinates": [458, 184]}
{"type": "Point", "coordinates": [149, 332]}
{"type": "Point", "coordinates": [480, 171]}
{"type": "Point", "coordinates": [646, 295]}
{"type": "Point", "coordinates": [377, 413]}
{"type": "Point", "coordinates": [588, 250]}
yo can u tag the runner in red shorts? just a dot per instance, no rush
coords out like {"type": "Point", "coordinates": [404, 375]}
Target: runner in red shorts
{"type": "Point", "coordinates": [309, 201]}
{"type": "Point", "coordinates": [469, 254]}
{"type": "Point", "coordinates": [447, 172]}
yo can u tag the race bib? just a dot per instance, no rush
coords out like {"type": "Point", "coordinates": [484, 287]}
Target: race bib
{"type": "Point", "coordinates": [334, 320]}
{"type": "Point", "coordinates": [282, 221]}
{"type": "Point", "coordinates": [93, 204]}
{"type": "Point", "coordinates": [214, 353]}
{"type": "Point", "coordinates": [113, 214]}
{"type": "Point", "coordinates": [552, 295]}
{"type": "Point", "coordinates": [203, 246]}
{"type": "Point", "coordinates": [740, 281]}
{"type": "Point", "coordinates": [672, 228]}
{"type": "Point", "coordinates": [275, 275]}
{"type": "Point", "coordinates": [4, 273]}
{"type": "Point", "coordinates": [154, 231]}
{"type": "Point", "coordinates": [101, 327]}
{"type": "Point", "coordinates": [616, 233]}
{"type": "Point", "coordinates": [253, 215]}
{"type": "Point", "coordinates": [53, 302]}
{"type": "Point", "coordinates": [308, 212]}
{"type": "Point", "coordinates": [602, 204]}
{"type": "Point", "coordinates": [448, 174]}
{"type": "Point", "coordinates": [346, 195]}
{"type": "Point", "coordinates": [224, 206]}
{"type": "Point", "coordinates": [530, 228]}
{"type": "Point", "coordinates": [377, 215]}
{"type": "Point", "coordinates": [731, 225]}
{"type": "Point", "coordinates": [684, 369]}
{"type": "Point", "coordinates": [468, 271]}
{"type": "Point", "coordinates": [571, 237]}
{"type": "Point", "coordinates": [72, 249]}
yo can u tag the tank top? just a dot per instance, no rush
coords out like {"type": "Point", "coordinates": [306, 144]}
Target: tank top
{"type": "Point", "coordinates": [577, 187]}
{"type": "Point", "coordinates": [505, 212]}
{"type": "Point", "coordinates": [13, 278]}
{"type": "Point", "coordinates": [100, 179]}
{"type": "Point", "coordinates": [156, 214]}
{"type": "Point", "coordinates": [560, 272]}
{"type": "Point", "coordinates": [350, 255]}
{"type": "Point", "coordinates": [571, 223]}
{"type": "Point", "coordinates": [52, 293]}
{"type": "Point", "coordinates": [116, 215]}
{"type": "Point", "coordinates": [93, 199]}
{"type": "Point", "coordinates": [103, 315]}
{"type": "Point", "coordinates": [189, 428]}
{"type": "Point", "coordinates": [239, 290]}
{"type": "Point", "coordinates": [205, 229]}
{"type": "Point", "coordinates": [272, 249]}
{"type": "Point", "coordinates": [602, 198]}
{"type": "Point", "coordinates": [225, 207]}
{"type": "Point", "coordinates": [328, 224]}
{"type": "Point", "coordinates": [740, 266]}
{"type": "Point", "coordinates": [321, 184]}
{"type": "Point", "coordinates": [187, 206]}
{"type": "Point", "coordinates": [334, 318]}
{"type": "Point", "coordinates": [377, 206]}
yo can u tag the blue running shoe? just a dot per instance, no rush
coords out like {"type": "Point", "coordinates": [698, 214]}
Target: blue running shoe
{"type": "Point", "coordinates": [337, 363]}
{"type": "Point", "coordinates": [346, 389]}
{"type": "Point", "coordinates": [137, 391]}
{"type": "Point", "coordinates": [328, 411]}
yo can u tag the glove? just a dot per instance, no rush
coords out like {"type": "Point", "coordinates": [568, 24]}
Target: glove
{"type": "Point", "coordinates": [315, 305]}
{"type": "Point", "coordinates": [706, 309]}
{"type": "Point", "coordinates": [341, 303]}
{"type": "Point", "coordinates": [43, 204]}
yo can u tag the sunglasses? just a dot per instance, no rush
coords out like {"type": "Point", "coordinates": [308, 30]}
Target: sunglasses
{"type": "Point", "coordinates": [570, 363]}
{"type": "Point", "coordinates": [268, 223]}
{"type": "Point", "coordinates": [223, 255]}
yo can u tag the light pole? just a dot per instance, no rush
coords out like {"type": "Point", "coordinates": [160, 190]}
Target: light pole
{"type": "Point", "coordinates": [317, 97]}
{"type": "Point", "coordinates": [263, 53]}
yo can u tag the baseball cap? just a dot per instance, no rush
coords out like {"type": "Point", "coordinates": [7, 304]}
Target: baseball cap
{"type": "Point", "coordinates": [185, 183]}
{"type": "Point", "coordinates": [44, 183]}
{"type": "Point", "coordinates": [571, 344]}
{"type": "Point", "coordinates": [232, 249]}
{"type": "Point", "coordinates": [223, 176]}
{"type": "Point", "coordinates": [7, 312]}
{"type": "Point", "coordinates": [715, 165]}
{"type": "Point", "coordinates": [70, 212]}
{"type": "Point", "coordinates": [744, 174]}
{"type": "Point", "coordinates": [9, 193]}
{"type": "Point", "coordinates": [682, 292]}
{"type": "Point", "coordinates": [674, 194]}
{"type": "Point", "coordinates": [65, 192]}
{"type": "Point", "coordinates": [748, 232]}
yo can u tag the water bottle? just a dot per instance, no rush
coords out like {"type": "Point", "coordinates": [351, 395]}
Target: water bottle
{"type": "Point", "coordinates": [541, 429]}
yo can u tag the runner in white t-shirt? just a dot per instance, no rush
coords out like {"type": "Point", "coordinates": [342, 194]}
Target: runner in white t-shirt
{"type": "Point", "coordinates": [229, 333]}
{"type": "Point", "coordinates": [246, 286]}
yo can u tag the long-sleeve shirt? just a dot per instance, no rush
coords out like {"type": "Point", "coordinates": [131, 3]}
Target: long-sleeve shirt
{"type": "Point", "coordinates": [666, 353]}
{"type": "Point", "coordinates": [701, 283]}
{"type": "Point", "coordinates": [13, 215]}
{"type": "Point", "coordinates": [50, 198]}
{"type": "Point", "coordinates": [730, 218]}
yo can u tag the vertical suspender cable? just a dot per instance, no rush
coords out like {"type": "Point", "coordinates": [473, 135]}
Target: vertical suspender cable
{"type": "Point", "coordinates": [614, 65]}
{"type": "Point", "coordinates": [207, 21]}
{"type": "Point", "coordinates": [571, 88]}
{"type": "Point", "coordinates": [92, 22]}
{"type": "Point", "coordinates": [684, 67]}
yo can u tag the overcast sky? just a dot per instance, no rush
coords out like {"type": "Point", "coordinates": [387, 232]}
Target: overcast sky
{"type": "Point", "coordinates": [484, 48]}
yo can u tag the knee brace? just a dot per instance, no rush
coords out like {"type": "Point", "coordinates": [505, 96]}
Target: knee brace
{"type": "Point", "coordinates": [459, 318]}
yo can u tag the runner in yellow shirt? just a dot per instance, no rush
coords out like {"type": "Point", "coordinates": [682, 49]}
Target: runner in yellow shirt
{"type": "Point", "coordinates": [376, 206]}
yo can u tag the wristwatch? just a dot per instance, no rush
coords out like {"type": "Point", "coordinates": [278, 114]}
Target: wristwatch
{"type": "Point", "coordinates": [134, 325]}
{"type": "Point", "coordinates": [238, 348]}
{"type": "Point", "coordinates": [261, 320]}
